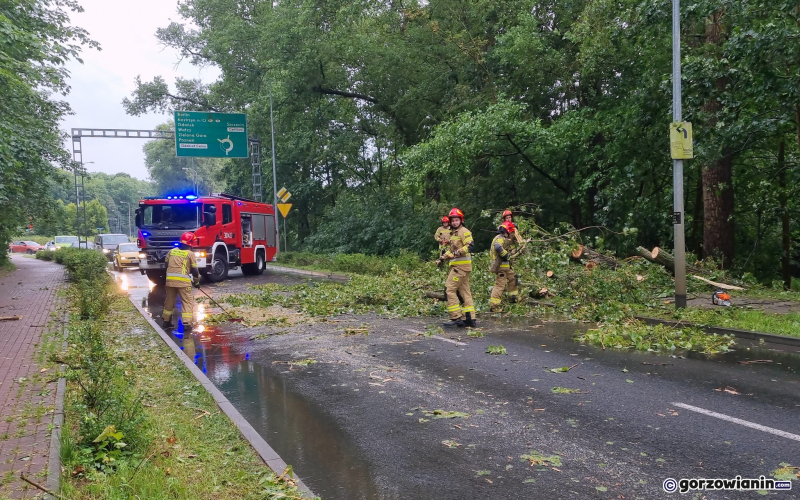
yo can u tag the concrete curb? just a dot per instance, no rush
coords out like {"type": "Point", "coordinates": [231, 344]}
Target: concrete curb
{"type": "Point", "coordinates": [264, 450]}
{"type": "Point", "coordinates": [742, 334]}
{"type": "Point", "coordinates": [54, 460]}
{"type": "Point", "coordinates": [305, 272]}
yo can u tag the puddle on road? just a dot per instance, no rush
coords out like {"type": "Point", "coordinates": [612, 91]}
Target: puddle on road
{"type": "Point", "coordinates": [301, 433]}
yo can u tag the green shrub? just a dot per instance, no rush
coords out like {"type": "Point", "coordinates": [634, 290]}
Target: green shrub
{"type": "Point", "coordinates": [371, 265]}
{"type": "Point", "coordinates": [45, 254]}
{"type": "Point", "coordinates": [82, 264]}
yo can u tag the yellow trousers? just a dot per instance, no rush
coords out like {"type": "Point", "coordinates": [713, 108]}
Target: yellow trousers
{"type": "Point", "coordinates": [187, 304]}
{"type": "Point", "coordinates": [458, 283]}
{"type": "Point", "coordinates": [505, 278]}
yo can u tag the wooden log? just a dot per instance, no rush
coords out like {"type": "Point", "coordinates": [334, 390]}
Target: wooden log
{"type": "Point", "coordinates": [584, 253]}
{"type": "Point", "coordinates": [643, 252]}
{"type": "Point", "coordinates": [550, 274]}
{"type": "Point", "coordinates": [435, 295]}
{"type": "Point", "coordinates": [660, 256]}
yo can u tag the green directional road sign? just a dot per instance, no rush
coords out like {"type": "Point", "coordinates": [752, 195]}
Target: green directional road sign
{"type": "Point", "coordinates": [210, 135]}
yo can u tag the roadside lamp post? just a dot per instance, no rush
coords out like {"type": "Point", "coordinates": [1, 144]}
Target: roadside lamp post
{"type": "Point", "coordinates": [194, 175]}
{"type": "Point", "coordinates": [129, 217]}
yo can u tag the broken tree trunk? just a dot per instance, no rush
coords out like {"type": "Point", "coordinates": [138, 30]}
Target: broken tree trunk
{"type": "Point", "coordinates": [593, 258]}
{"type": "Point", "coordinates": [664, 258]}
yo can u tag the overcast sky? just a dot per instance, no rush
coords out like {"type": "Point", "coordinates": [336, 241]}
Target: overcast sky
{"type": "Point", "coordinates": [126, 31]}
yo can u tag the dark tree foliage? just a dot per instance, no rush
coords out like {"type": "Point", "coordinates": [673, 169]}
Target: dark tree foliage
{"type": "Point", "coordinates": [35, 42]}
{"type": "Point", "coordinates": [390, 108]}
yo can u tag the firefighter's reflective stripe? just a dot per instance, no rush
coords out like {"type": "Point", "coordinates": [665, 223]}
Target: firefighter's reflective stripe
{"type": "Point", "coordinates": [505, 265]}
{"type": "Point", "coordinates": [178, 277]}
{"type": "Point", "coordinates": [461, 260]}
{"type": "Point", "coordinates": [494, 300]}
{"type": "Point", "coordinates": [453, 308]}
{"type": "Point", "coordinates": [468, 309]}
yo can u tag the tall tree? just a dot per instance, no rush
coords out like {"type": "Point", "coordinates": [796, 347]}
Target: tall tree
{"type": "Point", "coordinates": [36, 40]}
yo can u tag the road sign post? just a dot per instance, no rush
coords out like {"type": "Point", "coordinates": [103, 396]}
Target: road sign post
{"type": "Point", "coordinates": [284, 208]}
{"type": "Point", "coordinates": [677, 162]}
{"type": "Point", "coordinates": [210, 135]}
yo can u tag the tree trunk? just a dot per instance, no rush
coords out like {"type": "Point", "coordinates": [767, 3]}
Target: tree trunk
{"type": "Point", "coordinates": [667, 260]}
{"type": "Point", "coordinates": [432, 191]}
{"type": "Point", "coordinates": [594, 258]}
{"type": "Point", "coordinates": [786, 234]}
{"type": "Point", "coordinates": [718, 228]}
{"type": "Point", "coordinates": [697, 217]}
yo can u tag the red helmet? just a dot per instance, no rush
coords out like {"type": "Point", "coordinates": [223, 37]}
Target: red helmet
{"type": "Point", "coordinates": [456, 213]}
{"type": "Point", "coordinates": [446, 219]}
{"type": "Point", "coordinates": [507, 212]}
{"type": "Point", "coordinates": [508, 226]}
{"type": "Point", "coordinates": [187, 238]}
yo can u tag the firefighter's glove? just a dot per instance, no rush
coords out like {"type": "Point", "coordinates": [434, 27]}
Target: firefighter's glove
{"type": "Point", "coordinates": [196, 283]}
{"type": "Point", "coordinates": [448, 255]}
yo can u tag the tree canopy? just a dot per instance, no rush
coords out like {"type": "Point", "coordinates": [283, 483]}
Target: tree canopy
{"type": "Point", "coordinates": [411, 106]}
{"type": "Point", "coordinates": [36, 40]}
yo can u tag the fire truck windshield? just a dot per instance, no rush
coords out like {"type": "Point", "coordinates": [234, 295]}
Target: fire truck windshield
{"type": "Point", "coordinates": [178, 216]}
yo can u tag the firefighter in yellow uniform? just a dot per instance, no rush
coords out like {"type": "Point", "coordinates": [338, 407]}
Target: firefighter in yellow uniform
{"type": "Point", "coordinates": [460, 259]}
{"type": "Point", "coordinates": [509, 217]}
{"type": "Point", "coordinates": [501, 266]}
{"type": "Point", "coordinates": [442, 235]}
{"type": "Point", "coordinates": [181, 274]}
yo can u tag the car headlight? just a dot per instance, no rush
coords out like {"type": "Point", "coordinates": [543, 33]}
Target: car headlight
{"type": "Point", "coordinates": [142, 255]}
{"type": "Point", "coordinates": [106, 250]}
{"type": "Point", "coordinates": [199, 254]}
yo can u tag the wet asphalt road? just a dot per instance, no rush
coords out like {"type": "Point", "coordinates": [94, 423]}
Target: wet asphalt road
{"type": "Point", "coordinates": [360, 422]}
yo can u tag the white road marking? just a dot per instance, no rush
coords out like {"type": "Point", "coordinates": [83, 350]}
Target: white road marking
{"type": "Point", "coordinates": [752, 425]}
{"type": "Point", "coordinates": [447, 340]}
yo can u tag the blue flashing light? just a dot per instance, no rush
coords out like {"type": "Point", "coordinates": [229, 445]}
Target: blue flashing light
{"type": "Point", "coordinates": [145, 234]}
{"type": "Point", "coordinates": [240, 203]}
{"type": "Point", "coordinates": [169, 197]}
{"type": "Point", "coordinates": [175, 244]}
{"type": "Point", "coordinates": [181, 197]}
{"type": "Point", "coordinates": [191, 197]}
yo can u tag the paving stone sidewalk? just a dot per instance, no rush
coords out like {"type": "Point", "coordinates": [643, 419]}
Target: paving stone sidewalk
{"type": "Point", "coordinates": [27, 396]}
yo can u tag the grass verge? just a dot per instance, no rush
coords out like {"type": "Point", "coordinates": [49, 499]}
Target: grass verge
{"type": "Point", "coordinates": [193, 450]}
{"type": "Point", "coordinates": [137, 423]}
{"type": "Point", "coordinates": [737, 318]}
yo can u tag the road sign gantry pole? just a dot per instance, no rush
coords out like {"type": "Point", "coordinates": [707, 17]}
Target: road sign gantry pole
{"type": "Point", "coordinates": [677, 164]}
{"type": "Point", "coordinates": [274, 178]}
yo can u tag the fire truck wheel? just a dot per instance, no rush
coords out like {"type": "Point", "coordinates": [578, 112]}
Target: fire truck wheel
{"type": "Point", "coordinates": [219, 268]}
{"type": "Point", "coordinates": [256, 268]}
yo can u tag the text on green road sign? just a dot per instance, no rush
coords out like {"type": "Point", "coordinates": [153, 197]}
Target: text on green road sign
{"type": "Point", "coordinates": [210, 135]}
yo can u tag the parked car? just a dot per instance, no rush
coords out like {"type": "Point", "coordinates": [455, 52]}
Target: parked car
{"type": "Point", "coordinates": [126, 255]}
{"type": "Point", "coordinates": [28, 247]}
{"type": "Point", "coordinates": [61, 241]}
{"type": "Point", "coordinates": [107, 243]}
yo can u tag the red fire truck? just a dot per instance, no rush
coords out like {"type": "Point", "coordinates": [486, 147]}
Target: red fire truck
{"type": "Point", "coordinates": [230, 232]}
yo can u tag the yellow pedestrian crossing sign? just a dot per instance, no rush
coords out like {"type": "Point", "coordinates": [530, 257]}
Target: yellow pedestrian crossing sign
{"type": "Point", "coordinates": [284, 208]}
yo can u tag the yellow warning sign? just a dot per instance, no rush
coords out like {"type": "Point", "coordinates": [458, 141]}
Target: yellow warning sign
{"type": "Point", "coordinates": [284, 208]}
{"type": "Point", "coordinates": [680, 140]}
